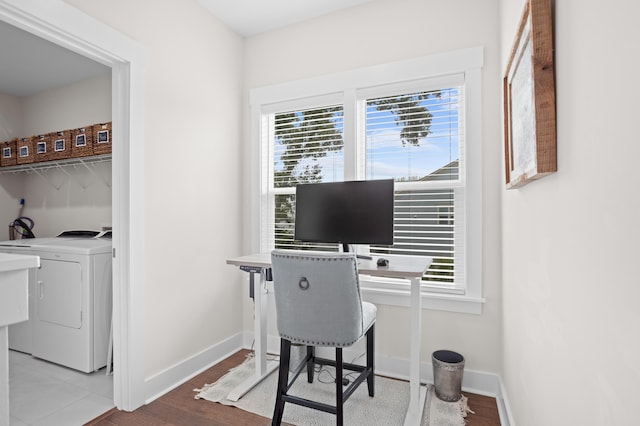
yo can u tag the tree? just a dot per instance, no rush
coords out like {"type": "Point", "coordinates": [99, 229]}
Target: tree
{"type": "Point", "coordinates": [408, 112]}
{"type": "Point", "coordinates": [306, 135]}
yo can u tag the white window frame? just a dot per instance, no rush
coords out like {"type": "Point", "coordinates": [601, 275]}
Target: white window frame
{"type": "Point", "coordinates": [345, 86]}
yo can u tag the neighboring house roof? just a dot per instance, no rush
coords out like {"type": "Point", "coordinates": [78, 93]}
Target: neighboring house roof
{"type": "Point", "coordinates": [448, 172]}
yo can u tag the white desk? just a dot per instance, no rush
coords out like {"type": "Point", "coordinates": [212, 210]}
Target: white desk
{"type": "Point", "coordinates": [14, 308]}
{"type": "Point", "coordinates": [406, 267]}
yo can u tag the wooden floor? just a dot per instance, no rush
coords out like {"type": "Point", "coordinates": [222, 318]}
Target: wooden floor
{"type": "Point", "coordinates": [179, 407]}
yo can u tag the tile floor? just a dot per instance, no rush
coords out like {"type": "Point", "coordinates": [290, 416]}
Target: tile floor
{"type": "Point", "coordinates": [42, 393]}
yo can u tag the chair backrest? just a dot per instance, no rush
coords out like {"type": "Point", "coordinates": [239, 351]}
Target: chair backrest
{"type": "Point", "coordinates": [318, 299]}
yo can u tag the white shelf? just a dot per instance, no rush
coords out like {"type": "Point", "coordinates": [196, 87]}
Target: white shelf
{"type": "Point", "coordinates": [69, 162]}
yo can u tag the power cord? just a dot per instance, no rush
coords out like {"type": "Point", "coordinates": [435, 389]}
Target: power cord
{"type": "Point", "coordinates": [346, 378]}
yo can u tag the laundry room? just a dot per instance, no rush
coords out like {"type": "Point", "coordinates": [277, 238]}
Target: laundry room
{"type": "Point", "coordinates": [55, 100]}
{"type": "Point", "coordinates": [51, 196]}
{"type": "Point", "coordinates": [46, 89]}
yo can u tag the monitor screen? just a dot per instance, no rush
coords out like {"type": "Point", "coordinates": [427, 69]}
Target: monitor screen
{"type": "Point", "coordinates": [354, 212]}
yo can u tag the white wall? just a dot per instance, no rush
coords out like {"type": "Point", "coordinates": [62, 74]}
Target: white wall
{"type": "Point", "coordinates": [11, 117]}
{"type": "Point", "coordinates": [570, 254]}
{"type": "Point", "coordinates": [76, 105]}
{"type": "Point", "coordinates": [76, 198]}
{"type": "Point", "coordinates": [192, 169]}
{"type": "Point", "coordinates": [381, 32]}
{"type": "Point", "coordinates": [11, 187]}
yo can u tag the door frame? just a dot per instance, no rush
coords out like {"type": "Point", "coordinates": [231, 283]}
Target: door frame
{"type": "Point", "coordinates": [68, 27]}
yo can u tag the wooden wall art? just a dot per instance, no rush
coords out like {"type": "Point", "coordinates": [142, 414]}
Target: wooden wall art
{"type": "Point", "coordinates": [529, 99]}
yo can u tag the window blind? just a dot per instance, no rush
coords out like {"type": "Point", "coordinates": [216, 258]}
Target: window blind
{"type": "Point", "coordinates": [415, 138]}
{"type": "Point", "coordinates": [308, 148]}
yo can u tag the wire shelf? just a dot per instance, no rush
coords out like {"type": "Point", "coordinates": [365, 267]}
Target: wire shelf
{"type": "Point", "coordinates": [45, 165]}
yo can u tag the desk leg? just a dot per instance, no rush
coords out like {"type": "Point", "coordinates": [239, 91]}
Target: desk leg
{"type": "Point", "coordinates": [263, 368]}
{"type": "Point", "coordinates": [417, 393]}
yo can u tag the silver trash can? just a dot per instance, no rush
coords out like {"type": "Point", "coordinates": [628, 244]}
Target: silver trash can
{"type": "Point", "coordinates": [448, 368]}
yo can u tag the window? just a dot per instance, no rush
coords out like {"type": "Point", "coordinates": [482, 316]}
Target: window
{"type": "Point", "coordinates": [416, 137]}
{"type": "Point", "coordinates": [413, 128]}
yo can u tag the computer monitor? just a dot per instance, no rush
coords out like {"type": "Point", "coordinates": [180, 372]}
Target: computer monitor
{"type": "Point", "coordinates": [352, 212]}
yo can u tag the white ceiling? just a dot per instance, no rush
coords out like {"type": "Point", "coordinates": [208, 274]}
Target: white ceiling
{"type": "Point", "coordinates": [251, 17]}
{"type": "Point", "coordinates": [30, 65]}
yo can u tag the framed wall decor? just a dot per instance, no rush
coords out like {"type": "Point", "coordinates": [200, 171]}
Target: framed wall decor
{"type": "Point", "coordinates": [529, 99]}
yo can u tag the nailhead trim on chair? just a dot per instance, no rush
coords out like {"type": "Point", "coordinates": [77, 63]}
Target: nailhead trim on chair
{"type": "Point", "coordinates": [312, 343]}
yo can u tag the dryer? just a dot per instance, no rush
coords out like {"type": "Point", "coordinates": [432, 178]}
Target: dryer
{"type": "Point", "coordinates": [20, 334]}
{"type": "Point", "coordinates": [70, 300]}
{"type": "Point", "coordinates": [72, 303]}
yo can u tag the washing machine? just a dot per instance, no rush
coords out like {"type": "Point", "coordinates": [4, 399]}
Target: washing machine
{"type": "Point", "coordinates": [70, 300]}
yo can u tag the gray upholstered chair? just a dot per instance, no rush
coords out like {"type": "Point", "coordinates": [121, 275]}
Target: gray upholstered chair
{"type": "Point", "coordinates": [318, 303]}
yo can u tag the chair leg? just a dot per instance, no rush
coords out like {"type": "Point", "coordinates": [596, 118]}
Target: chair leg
{"type": "Point", "coordinates": [371, 358]}
{"type": "Point", "coordinates": [283, 378]}
{"type": "Point", "coordinates": [311, 353]}
{"type": "Point", "coordinates": [339, 399]}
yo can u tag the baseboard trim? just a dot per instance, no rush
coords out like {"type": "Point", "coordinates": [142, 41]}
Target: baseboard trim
{"type": "Point", "coordinates": [172, 377]}
{"type": "Point", "coordinates": [504, 410]}
{"type": "Point", "coordinates": [478, 382]}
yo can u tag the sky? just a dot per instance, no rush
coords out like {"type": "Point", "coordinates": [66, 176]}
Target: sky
{"type": "Point", "coordinates": [387, 157]}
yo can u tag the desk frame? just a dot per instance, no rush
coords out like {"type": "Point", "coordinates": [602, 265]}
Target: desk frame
{"type": "Point", "coordinates": [260, 305]}
{"type": "Point", "coordinates": [406, 267]}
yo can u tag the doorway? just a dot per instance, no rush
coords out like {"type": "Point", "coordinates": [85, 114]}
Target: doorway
{"type": "Point", "coordinates": [65, 26]}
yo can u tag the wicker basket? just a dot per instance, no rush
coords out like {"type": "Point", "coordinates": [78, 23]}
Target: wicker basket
{"type": "Point", "coordinates": [8, 154]}
{"type": "Point", "coordinates": [82, 142]}
{"type": "Point", "coordinates": [41, 148]}
{"type": "Point", "coordinates": [24, 148]}
{"type": "Point", "coordinates": [60, 144]}
{"type": "Point", "coordinates": [102, 138]}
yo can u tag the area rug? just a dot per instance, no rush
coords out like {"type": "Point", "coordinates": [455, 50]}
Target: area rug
{"type": "Point", "coordinates": [388, 407]}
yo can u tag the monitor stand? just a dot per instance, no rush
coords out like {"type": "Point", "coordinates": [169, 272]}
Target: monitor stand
{"type": "Point", "coordinates": [345, 248]}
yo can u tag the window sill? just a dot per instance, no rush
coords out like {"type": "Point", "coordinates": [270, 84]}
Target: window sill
{"type": "Point", "coordinates": [430, 300]}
